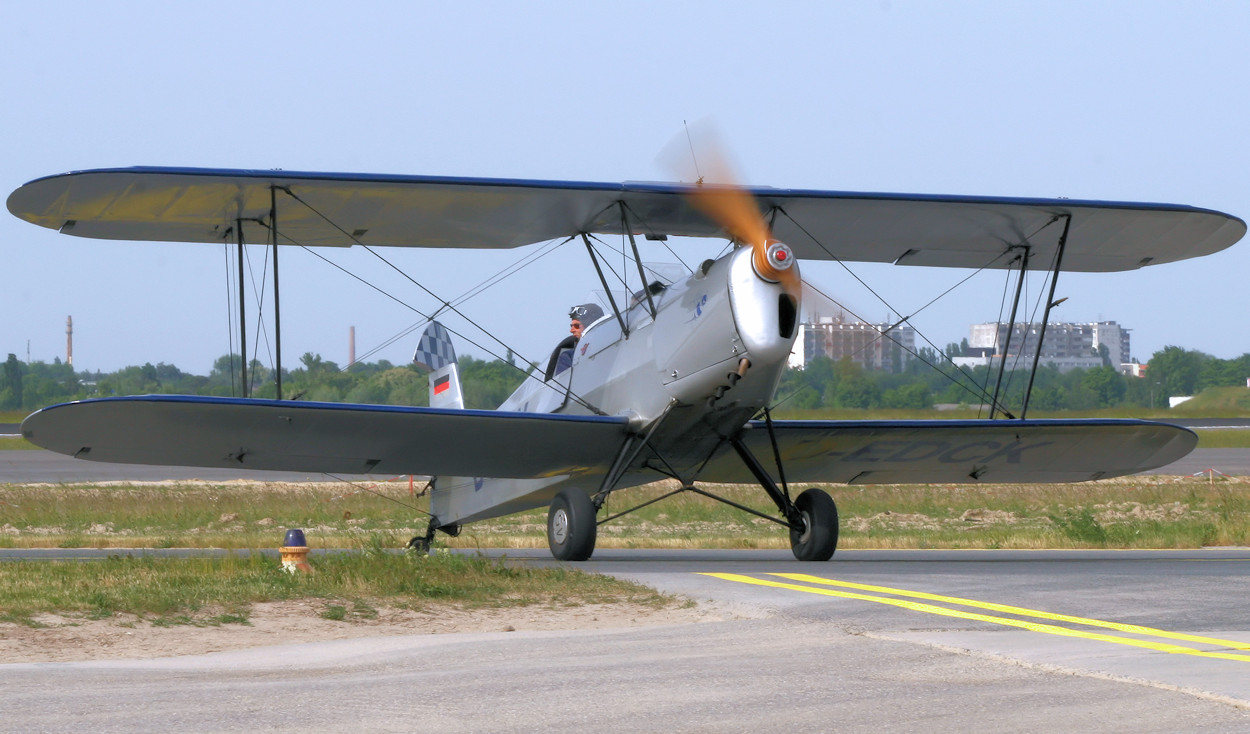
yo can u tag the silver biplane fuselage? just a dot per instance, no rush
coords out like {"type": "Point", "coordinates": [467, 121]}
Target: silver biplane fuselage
{"type": "Point", "coordinates": [708, 361]}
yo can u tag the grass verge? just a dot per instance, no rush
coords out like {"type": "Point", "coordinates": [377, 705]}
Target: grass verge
{"type": "Point", "coordinates": [1133, 512]}
{"type": "Point", "coordinates": [203, 592]}
{"type": "Point", "coordinates": [1223, 438]}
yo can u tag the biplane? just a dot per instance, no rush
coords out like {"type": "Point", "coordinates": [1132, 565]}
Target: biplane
{"type": "Point", "coordinates": [674, 380]}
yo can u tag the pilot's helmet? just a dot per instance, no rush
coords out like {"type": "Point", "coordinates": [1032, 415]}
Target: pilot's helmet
{"type": "Point", "coordinates": [587, 313]}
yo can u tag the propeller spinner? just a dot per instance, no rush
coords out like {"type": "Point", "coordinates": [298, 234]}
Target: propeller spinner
{"type": "Point", "coordinates": [737, 211]}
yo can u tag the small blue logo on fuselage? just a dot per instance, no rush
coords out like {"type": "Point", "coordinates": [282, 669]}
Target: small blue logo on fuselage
{"type": "Point", "coordinates": [698, 307]}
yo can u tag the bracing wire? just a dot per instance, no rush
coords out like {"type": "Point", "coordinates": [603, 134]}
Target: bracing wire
{"type": "Point", "coordinates": [934, 347]}
{"type": "Point", "coordinates": [652, 230]}
{"type": "Point", "coordinates": [1002, 304]}
{"type": "Point", "coordinates": [530, 258]}
{"type": "Point", "coordinates": [1037, 307]}
{"type": "Point", "coordinates": [1028, 324]}
{"type": "Point", "coordinates": [505, 273]}
{"type": "Point", "coordinates": [916, 354]}
{"type": "Point", "coordinates": [445, 304]}
{"type": "Point", "coordinates": [260, 321]}
{"type": "Point", "coordinates": [882, 299]}
{"type": "Point", "coordinates": [374, 492]}
{"type": "Point", "coordinates": [608, 263]}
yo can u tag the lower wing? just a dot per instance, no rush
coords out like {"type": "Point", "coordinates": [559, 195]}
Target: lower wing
{"type": "Point", "coordinates": [919, 452]}
{"type": "Point", "coordinates": [185, 430]}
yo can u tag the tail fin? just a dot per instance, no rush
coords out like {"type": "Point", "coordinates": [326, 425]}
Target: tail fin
{"type": "Point", "coordinates": [435, 352]}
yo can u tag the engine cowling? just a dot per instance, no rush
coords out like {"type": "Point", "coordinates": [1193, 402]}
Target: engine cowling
{"type": "Point", "coordinates": [728, 312]}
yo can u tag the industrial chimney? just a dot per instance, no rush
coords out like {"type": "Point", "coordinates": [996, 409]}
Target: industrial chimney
{"type": "Point", "coordinates": [351, 346]}
{"type": "Point", "coordinates": [69, 340]}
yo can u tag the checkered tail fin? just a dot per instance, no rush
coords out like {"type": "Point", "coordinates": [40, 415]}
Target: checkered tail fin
{"type": "Point", "coordinates": [435, 353]}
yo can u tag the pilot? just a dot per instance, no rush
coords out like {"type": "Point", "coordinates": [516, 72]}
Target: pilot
{"type": "Point", "coordinates": [580, 317]}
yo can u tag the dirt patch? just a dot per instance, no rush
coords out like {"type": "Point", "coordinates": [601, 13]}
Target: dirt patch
{"type": "Point", "coordinates": [63, 639]}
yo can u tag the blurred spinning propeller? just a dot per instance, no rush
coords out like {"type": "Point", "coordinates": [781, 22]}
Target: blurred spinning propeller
{"type": "Point", "coordinates": [719, 195]}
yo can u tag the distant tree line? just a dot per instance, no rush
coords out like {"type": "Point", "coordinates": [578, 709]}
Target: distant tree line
{"type": "Point", "coordinates": [822, 384]}
{"type": "Point", "coordinates": [1172, 371]}
{"type": "Point", "coordinates": [29, 386]}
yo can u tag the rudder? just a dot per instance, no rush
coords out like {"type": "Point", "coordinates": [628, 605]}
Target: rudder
{"type": "Point", "coordinates": [435, 352]}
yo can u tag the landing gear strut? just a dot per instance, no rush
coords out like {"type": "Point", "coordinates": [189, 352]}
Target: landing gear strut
{"type": "Point", "coordinates": [813, 516]}
{"type": "Point", "coordinates": [571, 527]}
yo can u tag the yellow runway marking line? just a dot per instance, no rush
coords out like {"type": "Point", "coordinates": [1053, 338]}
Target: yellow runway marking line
{"type": "Point", "coordinates": [1007, 609]}
{"type": "Point", "coordinates": [1022, 624]}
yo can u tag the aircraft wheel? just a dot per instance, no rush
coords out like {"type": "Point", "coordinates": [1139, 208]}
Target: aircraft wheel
{"type": "Point", "coordinates": [571, 527]}
{"type": "Point", "coordinates": [819, 537]}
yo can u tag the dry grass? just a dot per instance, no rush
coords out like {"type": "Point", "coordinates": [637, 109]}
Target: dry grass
{"type": "Point", "coordinates": [215, 591]}
{"type": "Point", "coordinates": [1168, 512]}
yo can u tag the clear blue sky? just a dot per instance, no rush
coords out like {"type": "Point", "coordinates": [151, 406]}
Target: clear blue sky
{"type": "Point", "coordinates": [1136, 101]}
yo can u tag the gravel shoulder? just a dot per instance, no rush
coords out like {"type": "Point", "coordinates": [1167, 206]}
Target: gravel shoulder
{"type": "Point", "coordinates": [63, 639]}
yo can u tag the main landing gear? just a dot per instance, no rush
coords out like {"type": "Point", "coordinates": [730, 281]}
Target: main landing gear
{"type": "Point", "coordinates": [812, 517]}
{"type": "Point", "coordinates": [571, 525]}
{"type": "Point", "coordinates": [813, 522]}
{"type": "Point", "coordinates": [818, 537]}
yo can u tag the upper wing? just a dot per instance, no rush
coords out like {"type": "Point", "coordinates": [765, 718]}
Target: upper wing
{"type": "Point", "coordinates": [326, 437]}
{"type": "Point", "coordinates": [204, 205]}
{"type": "Point", "coordinates": [921, 452]}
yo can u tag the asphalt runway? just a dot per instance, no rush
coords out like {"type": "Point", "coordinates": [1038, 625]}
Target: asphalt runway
{"type": "Point", "coordinates": [937, 641]}
{"type": "Point", "coordinates": [1173, 618]}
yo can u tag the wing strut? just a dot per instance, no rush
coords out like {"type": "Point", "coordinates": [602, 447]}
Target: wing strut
{"type": "Point", "coordinates": [782, 499]}
{"type": "Point", "coordinates": [238, 225]}
{"type": "Point", "coordinates": [642, 276]}
{"type": "Point", "coordinates": [272, 226]}
{"type": "Point", "coordinates": [1011, 327]}
{"type": "Point", "coordinates": [607, 289]}
{"type": "Point", "coordinates": [277, 317]}
{"type": "Point", "coordinates": [1050, 303]}
{"type": "Point", "coordinates": [631, 450]}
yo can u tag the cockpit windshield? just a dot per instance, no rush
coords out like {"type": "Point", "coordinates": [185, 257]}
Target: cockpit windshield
{"type": "Point", "coordinates": [666, 273]}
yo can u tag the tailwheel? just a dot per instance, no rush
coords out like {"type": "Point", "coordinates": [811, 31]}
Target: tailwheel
{"type": "Point", "coordinates": [819, 536]}
{"type": "Point", "coordinates": [422, 543]}
{"type": "Point", "coordinates": [571, 527]}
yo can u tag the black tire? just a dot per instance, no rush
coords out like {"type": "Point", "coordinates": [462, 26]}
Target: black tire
{"type": "Point", "coordinates": [571, 528]}
{"type": "Point", "coordinates": [819, 537]}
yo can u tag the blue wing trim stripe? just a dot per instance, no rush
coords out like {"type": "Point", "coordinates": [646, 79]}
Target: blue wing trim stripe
{"type": "Point", "coordinates": [639, 186]}
{"type": "Point", "coordinates": [357, 407]}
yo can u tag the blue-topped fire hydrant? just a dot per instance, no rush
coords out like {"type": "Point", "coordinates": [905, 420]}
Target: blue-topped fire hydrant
{"type": "Point", "coordinates": [294, 552]}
